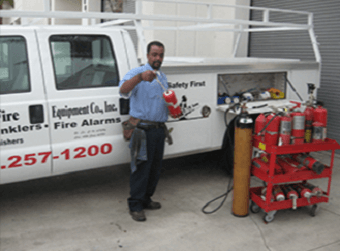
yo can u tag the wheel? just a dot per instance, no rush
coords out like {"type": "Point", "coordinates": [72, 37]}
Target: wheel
{"type": "Point", "coordinates": [268, 218]}
{"type": "Point", "coordinates": [254, 208]}
{"type": "Point", "coordinates": [313, 210]}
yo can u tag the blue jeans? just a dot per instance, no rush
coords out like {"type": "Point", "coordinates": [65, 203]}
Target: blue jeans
{"type": "Point", "coordinates": [144, 180]}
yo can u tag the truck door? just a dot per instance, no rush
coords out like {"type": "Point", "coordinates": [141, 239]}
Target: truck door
{"type": "Point", "coordinates": [25, 141]}
{"type": "Point", "coordinates": [82, 71]}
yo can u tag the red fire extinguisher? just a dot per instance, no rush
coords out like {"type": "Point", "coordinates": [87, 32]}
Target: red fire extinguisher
{"type": "Point", "coordinates": [278, 193]}
{"type": "Point", "coordinates": [317, 132]}
{"type": "Point", "coordinates": [272, 130]}
{"type": "Point", "coordinates": [320, 115]}
{"type": "Point", "coordinates": [289, 165]}
{"type": "Point", "coordinates": [285, 129]}
{"type": "Point", "coordinates": [291, 194]}
{"type": "Point", "coordinates": [309, 162]}
{"type": "Point", "coordinates": [264, 166]}
{"type": "Point", "coordinates": [316, 191]}
{"type": "Point", "coordinates": [303, 191]}
{"type": "Point", "coordinates": [308, 123]}
{"type": "Point", "coordinates": [260, 123]}
{"type": "Point", "coordinates": [171, 101]}
{"type": "Point", "coordinates": [298, 128]}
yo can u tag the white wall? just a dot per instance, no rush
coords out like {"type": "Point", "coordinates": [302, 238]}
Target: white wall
{"type": "Point", "coordinates": [193, 43]}
{"type": "Point", "coordinates": [65, 5]}
{"type": "Point", "coordinates": [177, 43]}
{"type": "Point", "coordinates": [32, 5]}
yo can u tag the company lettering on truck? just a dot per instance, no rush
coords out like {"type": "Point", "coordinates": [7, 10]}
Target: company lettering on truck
{"type": "Point", "coordinates": [86, 122]}
{"type": "Point", "coordinates": [93, 108]}
{"type": "Point", "coordinates": [42, 157]}
{"type": "Point", "coordinates": [85, 110]}
{"type": "Point", "coordinates": [185, 85]}
{"type": "Point", "coordinates": [8, 117]}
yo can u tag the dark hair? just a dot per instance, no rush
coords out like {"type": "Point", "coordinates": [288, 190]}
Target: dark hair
{"type": "Point", "coordinates": [154, 43]}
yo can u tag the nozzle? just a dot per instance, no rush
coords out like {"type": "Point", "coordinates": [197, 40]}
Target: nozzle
{"type": "Point", "coordinates": [294, 197]}
{"type": "Point", "coordinates": [311, 88]}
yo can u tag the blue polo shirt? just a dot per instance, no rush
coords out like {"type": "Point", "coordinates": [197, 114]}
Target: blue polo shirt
{"type": "Point", "coordinates": [146, 99]}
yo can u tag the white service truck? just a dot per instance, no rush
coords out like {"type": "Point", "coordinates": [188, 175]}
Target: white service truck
{"type": "Point", "coordinates": [60, 108]}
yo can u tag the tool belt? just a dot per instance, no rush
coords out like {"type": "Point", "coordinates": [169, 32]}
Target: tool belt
{"type": "Point", "coordinates": [130, 125]}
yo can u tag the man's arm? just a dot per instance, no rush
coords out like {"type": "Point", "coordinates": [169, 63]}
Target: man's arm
{"type": "Point", "coordinates": [128, 85]}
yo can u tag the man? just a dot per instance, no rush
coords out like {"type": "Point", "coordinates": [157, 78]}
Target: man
{"type": "Point", "coordinates": [148, 106]}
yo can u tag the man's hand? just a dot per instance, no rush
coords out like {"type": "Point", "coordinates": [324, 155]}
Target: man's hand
{"type": "Point", "coordinates": [148, 75]}
{"type": "Point", "coordinates": [131, 83]}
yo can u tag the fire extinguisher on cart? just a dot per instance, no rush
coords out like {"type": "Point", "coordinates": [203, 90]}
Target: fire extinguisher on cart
{"type": "Point", "coordinates": [298, 128]}
{"type": "Point", "coordinates": [285, 129]}
{"type": "Point", "coordinates": [309, 111]}
{"type": "Point", "coordinates": [272, 131]}
{"type": "Point", "coordinates": [320, 119]}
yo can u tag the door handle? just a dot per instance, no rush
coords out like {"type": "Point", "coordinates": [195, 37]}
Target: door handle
{"type": "Point", "coordinates": [124, 106]}
{"type": "Point", "coordinates": [36, 114]}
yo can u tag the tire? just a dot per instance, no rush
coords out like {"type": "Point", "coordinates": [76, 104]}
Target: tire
{"type": "Point", "coordinates": [254, 208]}
{"type": "Point", "coordinates": [313, 210]}
{"type": "Point", "coordinates": [268, 218]}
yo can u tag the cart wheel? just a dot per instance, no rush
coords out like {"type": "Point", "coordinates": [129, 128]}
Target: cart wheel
{"type": "Point", "coordinates": [254, 208]}
{"type": "Point", "coordinates": [313, 210]}
{"type": "Point", "coordinates": [269, 217]}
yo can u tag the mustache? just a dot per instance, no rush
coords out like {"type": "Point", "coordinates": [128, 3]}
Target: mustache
{"type": "Point", "coordinates": [154, 63]}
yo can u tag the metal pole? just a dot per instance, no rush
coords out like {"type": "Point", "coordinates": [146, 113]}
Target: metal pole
{"type": "Point", "coordinates": [313, 39]}
{"type": "Point", "coordinates": [140, 31]}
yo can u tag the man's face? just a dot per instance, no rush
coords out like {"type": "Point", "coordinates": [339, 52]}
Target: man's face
{"type": "Point", "coordinates": [155, 56]}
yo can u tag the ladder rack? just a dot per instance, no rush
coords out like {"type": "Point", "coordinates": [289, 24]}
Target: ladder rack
{"type": "Point", "coordinates": [206, 23]}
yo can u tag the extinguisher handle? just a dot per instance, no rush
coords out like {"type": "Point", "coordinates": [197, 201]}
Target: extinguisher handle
{"type": "Point", "coordinates": [298, 104]}
{"type": "Point", "coordinates": [318, 102]}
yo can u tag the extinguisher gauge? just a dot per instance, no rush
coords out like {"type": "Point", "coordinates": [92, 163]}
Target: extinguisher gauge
{"type": "Point", "coordinates": [206, 111]}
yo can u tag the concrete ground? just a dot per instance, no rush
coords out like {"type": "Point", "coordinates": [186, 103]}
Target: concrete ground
{"type": "Point", "coordinates": [87, 211]}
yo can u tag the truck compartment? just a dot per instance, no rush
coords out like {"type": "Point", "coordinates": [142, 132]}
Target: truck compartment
{"type": "Point", "coordinates": [252, 86]}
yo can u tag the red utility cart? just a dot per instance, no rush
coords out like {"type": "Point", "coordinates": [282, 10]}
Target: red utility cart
{"type": "Point", "coordinates": [271, 206]}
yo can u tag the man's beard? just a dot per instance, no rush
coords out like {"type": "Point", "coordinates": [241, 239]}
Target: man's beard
{"type": "Point", "coordinates": [153, 65]}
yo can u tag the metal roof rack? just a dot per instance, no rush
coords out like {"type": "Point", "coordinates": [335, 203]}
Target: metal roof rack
{"type": "Point", "coordinates": [207, 23]}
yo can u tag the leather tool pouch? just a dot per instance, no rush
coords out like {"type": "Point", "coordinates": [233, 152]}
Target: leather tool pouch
{"type": "Point", "coordinates": [128, 127]}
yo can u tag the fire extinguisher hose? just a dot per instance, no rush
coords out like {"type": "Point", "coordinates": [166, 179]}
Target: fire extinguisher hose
{"type": "Point", "coordinates": [225, 195]}
{"type": "Point", "coordinates": [292, 87]}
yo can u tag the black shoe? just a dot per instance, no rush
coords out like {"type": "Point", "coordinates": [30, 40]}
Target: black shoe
{"type": "Point", "coordinates": [138, 216]}
{"type": "Point", "coordinates": [153, 205]}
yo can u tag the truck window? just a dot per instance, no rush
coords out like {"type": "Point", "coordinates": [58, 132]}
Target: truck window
{"type": "Point", "coordinates": [14, 73]}
{"type": "Point", "coordinates": [83, 61]}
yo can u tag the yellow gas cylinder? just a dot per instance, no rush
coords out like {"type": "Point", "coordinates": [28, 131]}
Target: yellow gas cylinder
{"type": "Point", "coordinates": [242, 163]}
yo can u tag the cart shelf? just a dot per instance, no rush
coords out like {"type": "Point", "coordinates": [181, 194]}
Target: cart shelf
{"type": "Point", "coordinates": [328, 144]}
{"type": "Point", "coordinates": [281, 178]}
{"type": "Point", "coordinates": [255, 193]}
